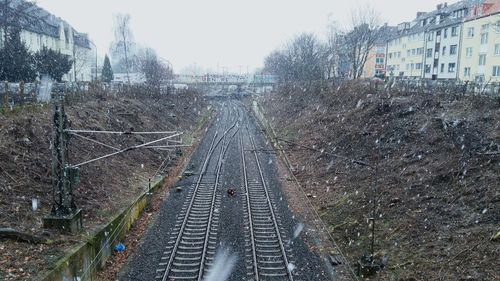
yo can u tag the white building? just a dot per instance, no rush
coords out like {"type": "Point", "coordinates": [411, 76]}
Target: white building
{"type": "Point", "coordinates": [46, 30]}
{"type": "Point", "coordinates": [442, 40]}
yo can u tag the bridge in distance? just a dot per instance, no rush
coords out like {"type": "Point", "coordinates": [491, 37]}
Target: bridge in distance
{"type": "Point", "coordinates": [226, 79]}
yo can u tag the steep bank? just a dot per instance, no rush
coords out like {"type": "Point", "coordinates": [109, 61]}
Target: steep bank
{"type": "Point", "coordinates": [105, 187]}
{"type": "Point", "coordinates": [433, 170]}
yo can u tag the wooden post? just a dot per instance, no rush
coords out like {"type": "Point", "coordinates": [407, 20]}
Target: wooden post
{"type": "Point", "coordinates": [6, 95]}
{"type": "Point", "coordinates": [21, 93]}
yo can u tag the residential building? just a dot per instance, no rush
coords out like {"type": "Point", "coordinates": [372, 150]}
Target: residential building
{"type": "Point", "coordinates": [480, 54]}
{"type": "Point", "coordinates": [444, 28]}
{"type": "Point", "coordinates": [430, 45]}
{"type": "Point", "coordinates": [42, 29]}
{"type": "Point", "coordinates": [405, 50]}
{"type": "Point", "coordinates": [375, 65]}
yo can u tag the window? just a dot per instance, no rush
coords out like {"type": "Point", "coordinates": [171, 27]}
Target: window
{"type": "Point", "coordinates": [420, 51]}
{"type": "Point", "coordinates": [379, 60]}
{"type": "Point", "coordinates": [498, 26]}
{"type": "Point", "coordinates": [451, 67]}
{"type": "Point", "coordinates": [399, 54]}
{"type": "Point", "coordinates": [468, 52]}
{"type": "Point", "coordinates": [484, 27]}
{"type": "Point", "coordinates": [430, 37]}
{"type": "Point", "coordinates": [484, 38]}
{"type": "Point", "coordinates": [496, 70]}
{"type": "Point", "coordinates": [413, 52]}
{"type": "Point", "coordinates": [418, 66]}
{"type": "Point", "coordinates": [427, 68]}
{"type": "Point", "coordinates": [497, 49]}
{"type": "Point", "coordinates": [453, 49]}
{"type": "Point", "coordinates": [408, 53]}
{"type": "Point", "coordinates": [470, 32]}
{"type": "Point", "coordinates": [454, 31]}
{"type": "Point", "coordinates": [444, 50]}
{"type": "Point", "coordinates": [467, 72]}
{"type": "Point", "coordinates": [390, 55]}
{"type": "Point", "coordinates": [429, 53]}
{"type": "Point", "coordinates": [442, 67]}
{"type": "Point", "coordinates": [445, 34]}
{"type": "Point", "coordinates": [482, 59]}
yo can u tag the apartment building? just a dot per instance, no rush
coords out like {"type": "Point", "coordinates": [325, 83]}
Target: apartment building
{"type": "Point", "coordinates": [444, 30]}
{"type": "Point", "coordinates": [405, 50]}
{"type": "Point", "coordinates": [432, 45]}
{"type": "Point", "coordinates": [375, 65]}
{"type": "Point", "coordinates": [43, 29]}
{"type": "Point", "coordinates": [480, 52]}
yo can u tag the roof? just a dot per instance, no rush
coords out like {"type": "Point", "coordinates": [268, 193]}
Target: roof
{"type": "Point", "coordinates": [445, 10]}
{"type": "Point", "coordinates": [40, 21]}
{"type": "Point", "coordinates": [487, 8]}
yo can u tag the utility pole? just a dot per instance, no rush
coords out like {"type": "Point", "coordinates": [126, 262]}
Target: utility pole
{"type": "Point", "coordinates": [64, 215]}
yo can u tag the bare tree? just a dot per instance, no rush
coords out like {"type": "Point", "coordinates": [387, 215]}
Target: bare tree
{"type": "Point", "coordinates": [81, 59]}
{"type": "Point", "coordinates": [301, 60]}
{"type": "Point", "coordinates": [123, 41]}
{"type": "Point", "coordinates": [155, 71]}
{"type": "Point", "coordinates": [362, 37]}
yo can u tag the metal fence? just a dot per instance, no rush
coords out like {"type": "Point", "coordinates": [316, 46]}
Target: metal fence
{"type": "Point", "coordinates": [445, 87]}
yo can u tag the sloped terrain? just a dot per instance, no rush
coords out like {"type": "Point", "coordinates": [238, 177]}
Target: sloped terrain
{"type": "Point", "coordinates": [430, 163]}
{"type": "Point", "coordinates": [106, 186]}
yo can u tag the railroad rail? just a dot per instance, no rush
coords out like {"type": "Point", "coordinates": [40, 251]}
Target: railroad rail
{"type": "Point", "coordinates": [191, 247]}
{"type": "Point", "coordinates": [267, 257]}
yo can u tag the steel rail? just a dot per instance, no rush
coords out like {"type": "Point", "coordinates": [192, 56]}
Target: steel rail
{"type": "Point", "coordinates": [212, 148]}
{"type": "Point", "coordinates": [280, 240]}
{"type": "Point", "coordinates": [210, 217]}
{"type": "Point", "coordinates": [249, 212]}
{"type": "Point", "coordinates": [179, 236]}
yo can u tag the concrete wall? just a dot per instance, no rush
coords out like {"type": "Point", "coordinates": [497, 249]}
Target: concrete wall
{"type": "Point", "coordinates": [85, 259]}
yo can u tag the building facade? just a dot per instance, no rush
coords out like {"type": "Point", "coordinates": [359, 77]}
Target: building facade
{"type": "Point", "coordinates": [405, 50]}
{"type": "Point", "coordinates": [375, 65]}
{"type": "Point", "coordinates": [46, 30]}
{"type": "Point", "coordinates": [480, 54]}
{"type": "Point", "coordinates": [444, 28]}
{"type": "Point", "coordinates": [457, 41]}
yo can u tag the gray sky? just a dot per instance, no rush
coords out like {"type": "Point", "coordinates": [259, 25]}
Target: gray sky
{"type": "Point", "coordinates": [232, 33]}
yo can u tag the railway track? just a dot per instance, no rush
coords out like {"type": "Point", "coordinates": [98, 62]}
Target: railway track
{"type": "Point", "coordinates": [191, 247]}
{"type": "Point", "coordinates": [266, 253]}
{"type": "Point", "coordinates": [192, 243]}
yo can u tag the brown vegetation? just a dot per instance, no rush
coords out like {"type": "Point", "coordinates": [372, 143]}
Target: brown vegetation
{"type": "Point", "coordinates": [434, 174]}
{"type": "Point", "coordinates": [106, 186]}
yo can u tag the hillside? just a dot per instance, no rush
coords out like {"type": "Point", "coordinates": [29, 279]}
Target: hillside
{"type": "Point", "coordinates": [431, 163]}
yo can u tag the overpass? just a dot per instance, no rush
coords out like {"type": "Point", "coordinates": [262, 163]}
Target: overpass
{"type": "Point", "coordinates": [226, 79]}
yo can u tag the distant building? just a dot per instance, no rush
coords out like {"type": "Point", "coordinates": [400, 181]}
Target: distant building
{"type": "Point", "coordinates": [442, 40]}
{"type": "Point", "coordinates": [135, 78]}
{"type": "Point", "coordinates": [405, 51]}
{"type": "Point", "coordinates": [375, 65]}
{"type": "Point", "coordinates": [46, 30]}
{"type": "Point", "coordinates": [480, 54]}
{"type": "Point", "coordinates": [430, 45]}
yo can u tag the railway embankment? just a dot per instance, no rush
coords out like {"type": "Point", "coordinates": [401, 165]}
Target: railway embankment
{"type": "Point", "coordinates": [425, 168]}
{"type": "Point", "coordinates": [109, 190]}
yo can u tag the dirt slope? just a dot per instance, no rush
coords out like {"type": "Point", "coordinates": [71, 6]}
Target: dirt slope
{"type": "Point", "coordinates": [434, 175]}
{"type": "Point", "coordinates": [106, 186]}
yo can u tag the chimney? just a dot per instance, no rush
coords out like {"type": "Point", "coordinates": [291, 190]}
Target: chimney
{"type": "Point", "coordinates": [445, 4]}
{"type": "Point", "coordinates": [439, 6]}
{"type": "Point", "coordinates": [419, 14]}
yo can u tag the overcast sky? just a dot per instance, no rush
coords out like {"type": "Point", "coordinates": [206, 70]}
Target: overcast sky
{"type": "Point", "coordinates": [234, 34]}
